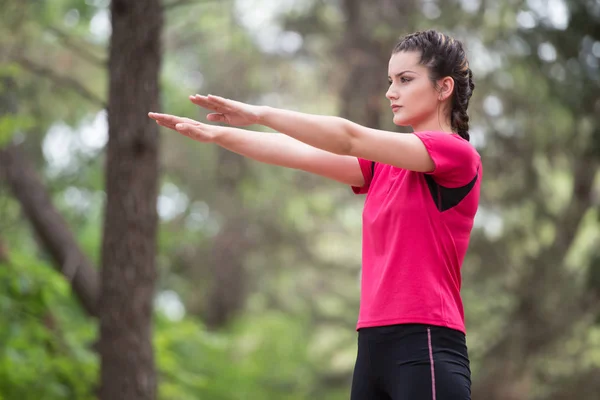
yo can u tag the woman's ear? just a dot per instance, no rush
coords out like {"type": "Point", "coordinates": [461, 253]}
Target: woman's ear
{"type": "Point", "coordinates": [446, 86]}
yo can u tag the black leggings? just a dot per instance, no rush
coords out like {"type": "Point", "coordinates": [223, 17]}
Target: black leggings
{"type": "Point", "coordinates": [411, 362]}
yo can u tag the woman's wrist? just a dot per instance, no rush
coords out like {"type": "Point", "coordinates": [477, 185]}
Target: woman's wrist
{"type": "Point", "coordinates": [263, 114]}
{"type": "Point", "coordinates": [221, 134]}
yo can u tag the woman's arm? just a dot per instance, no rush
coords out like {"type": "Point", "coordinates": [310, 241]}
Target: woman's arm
{"type": "Point", "coordinates": [343, 137]}
{"type": "Point", "coordinates": [332, 134]}
{"type": "Point", "coordinates": [284, 151]}
{"type": "Point", "coordinates": [270, 148]}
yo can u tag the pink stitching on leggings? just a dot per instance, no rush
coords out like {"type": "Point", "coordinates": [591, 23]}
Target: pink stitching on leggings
{"type": "Point", "coordinates": [431, 363]}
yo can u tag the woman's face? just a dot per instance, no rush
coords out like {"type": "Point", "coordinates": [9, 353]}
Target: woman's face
{"type": "Point", "coordinates": [414, 99]}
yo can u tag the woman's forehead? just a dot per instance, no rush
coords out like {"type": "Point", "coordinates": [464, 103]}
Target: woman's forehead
{"type": "Point", "coordinates": [405, 60]}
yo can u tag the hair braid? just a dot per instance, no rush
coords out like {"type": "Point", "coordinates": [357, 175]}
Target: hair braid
{"type": "Point", "coordinates": [459, 118]}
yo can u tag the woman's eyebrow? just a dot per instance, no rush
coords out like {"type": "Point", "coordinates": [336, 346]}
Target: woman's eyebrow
{"type": "Point", "coordinates": [398, 75]}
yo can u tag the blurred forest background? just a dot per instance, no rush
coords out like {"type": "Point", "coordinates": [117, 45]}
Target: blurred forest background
{"type": "Point", "coordinates": [137, 264]}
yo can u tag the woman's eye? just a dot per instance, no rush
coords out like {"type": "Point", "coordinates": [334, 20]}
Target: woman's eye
{"type": "Point", "coordinates": [404, 80]}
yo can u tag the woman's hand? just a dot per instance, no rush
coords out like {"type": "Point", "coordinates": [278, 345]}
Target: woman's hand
{"type": "Point", "coordinates": [229, 111]}
{"type": "Point", "coordinates": [188, 127]}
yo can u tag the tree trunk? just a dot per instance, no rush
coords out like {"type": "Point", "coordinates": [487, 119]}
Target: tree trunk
{"type": "Point", "coordinates": [129, 239]}
{"type": "Point", "coordinates": [50, 227]}
{"type": "Point", "coordinates": [229, 287]}
{"type": "Point", "coordinates": [365, 57]}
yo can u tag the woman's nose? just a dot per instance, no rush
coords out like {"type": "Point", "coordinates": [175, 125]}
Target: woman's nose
{"type": "Point", "coordinates": [391, 94]}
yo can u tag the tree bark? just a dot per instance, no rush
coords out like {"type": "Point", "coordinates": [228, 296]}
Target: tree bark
{"type": "Point", "coordinates": [365, 57]}
{"type": "Point", "coordinates": [130, 224]}
{"type": "Point", "coordinates": [229, 287]}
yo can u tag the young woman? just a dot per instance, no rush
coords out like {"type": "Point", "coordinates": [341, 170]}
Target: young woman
{"type": "Point", "coordinates": [422, 195]}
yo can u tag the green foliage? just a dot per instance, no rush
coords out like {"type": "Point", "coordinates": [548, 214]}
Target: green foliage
{"type": "Point", "coordinates": [45, 338]}
{"type": "Point", "coordinates": [46, 347]}
{"type": "Point", "coordinates": [263, 357]}
{"type": "Point", "coordinates": [9, 124]}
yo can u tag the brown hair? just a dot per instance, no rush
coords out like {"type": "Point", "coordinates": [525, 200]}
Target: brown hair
{"type": "Point", "coordinates": [444, 56]}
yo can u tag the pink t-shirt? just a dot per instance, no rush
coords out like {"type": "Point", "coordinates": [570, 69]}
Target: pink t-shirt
{"type": "Point", "coordinates": [416, 229]}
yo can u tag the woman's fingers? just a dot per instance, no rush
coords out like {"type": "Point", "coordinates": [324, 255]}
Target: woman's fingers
{"type": "Point", "coordinates": [167, 119]}
{"type": "Point", "coordinates": [174, 127]}
{"type": "Point", "coordinates": [188, 127]}
{"type": "Point", "coordinates": [202, 101]}
{"type": "Point", "coordinates": [215, 103]}
{"type": "Point", "coordinates": [182, 128]}
{"type": "Point", "coordinates": [208, 102]}
{"type": "Point", "coordinates": [225, 105]}
{"type": "Point", "coordinates": [170, 126]}
{"type": "Point", "coordinates": [163, 118]}
{"type": "Point", "coordinates": [172, 122]}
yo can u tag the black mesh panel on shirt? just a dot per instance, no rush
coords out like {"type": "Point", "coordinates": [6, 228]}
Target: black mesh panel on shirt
{"type": "Point", "coordinates": [446, 198]}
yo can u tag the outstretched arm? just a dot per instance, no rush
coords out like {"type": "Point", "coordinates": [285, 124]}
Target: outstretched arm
{"type": "Point", "coordinates": [284, 151]}
{"type": "Point", "coordinates": [269, 148]}
{"type": "Point", "coordinates": [332, 134]}
{"type": "Point", "coordinates": [344, 137]}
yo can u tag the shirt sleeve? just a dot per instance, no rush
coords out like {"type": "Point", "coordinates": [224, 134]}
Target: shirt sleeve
{"type": "Point", "coordinates": [456, 162]}
{"type": "Point", "coordinates": [366, 169]}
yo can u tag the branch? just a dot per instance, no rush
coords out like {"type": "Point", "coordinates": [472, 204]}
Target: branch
{"type": "Point", "coordinates": [51, 228]}
{"type": "Point", "coordinates": [77, 48]}
{"type": "Point", "coordinates": [63, 81]}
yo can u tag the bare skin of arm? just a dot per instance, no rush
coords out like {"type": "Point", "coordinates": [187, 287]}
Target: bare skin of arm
{"type": "Point", "coordinates": [270, 148]}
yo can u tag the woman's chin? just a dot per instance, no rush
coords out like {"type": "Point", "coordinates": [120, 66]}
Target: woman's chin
{"type": "Point", "coordinates": [400, 121]}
